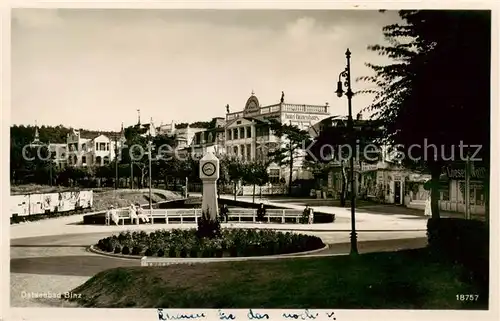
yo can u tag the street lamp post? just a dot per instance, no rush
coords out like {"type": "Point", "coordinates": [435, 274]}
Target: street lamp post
{"type": "Point", "coordinates": [346, 74]}
{"type": "Point", "coordinates": [116, 164]}
{"type": "Point", "coordinates": [150, 143]}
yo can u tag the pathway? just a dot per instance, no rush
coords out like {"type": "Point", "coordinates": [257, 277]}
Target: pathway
{"type": "Point", "coordinates": [51, 255]}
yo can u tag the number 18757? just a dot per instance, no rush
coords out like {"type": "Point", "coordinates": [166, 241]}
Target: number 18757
{"type": "Point", "coordinates": [467, 297]}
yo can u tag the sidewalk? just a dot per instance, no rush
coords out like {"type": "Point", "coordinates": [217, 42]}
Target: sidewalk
{"type": "Point", "coordinates": [365, 222]}
{"type": "Point", "coordinates": [365, 219]}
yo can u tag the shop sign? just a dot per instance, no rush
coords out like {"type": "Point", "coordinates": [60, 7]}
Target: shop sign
{"type": "Point", "coordinates": [459, 173]}
{"type": "Point", "coordinates": [303, 117]}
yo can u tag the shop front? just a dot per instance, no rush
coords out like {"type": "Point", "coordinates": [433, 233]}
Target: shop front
{"type": "Point", "coordinates": [452, 198]}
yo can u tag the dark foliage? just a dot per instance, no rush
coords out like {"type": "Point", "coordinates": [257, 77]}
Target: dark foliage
{"type": "Point", "coordinates": [137, 250]}
{"type": "Point", "coordinates": [464, 242]}
{"type": "Point", "coordinates": [437, 89]}
{"type": "Point", "coordinates": [207, 227]}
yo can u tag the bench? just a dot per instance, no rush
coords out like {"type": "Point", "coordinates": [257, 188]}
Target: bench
{"type": "Point", "coordinates": [182, 214]}
{"type": "Point", "coordinates": [237, 214]}
{"type": "Point", "coordinates": [122, 216]}
{"type": "Point", "coordinates": [284, 214]}
{"type": "Point", "coordinates": [242, 213]}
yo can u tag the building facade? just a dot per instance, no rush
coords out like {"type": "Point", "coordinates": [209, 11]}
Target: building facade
{"type": "Point", "coordinates": [92, 150]}
{"type": "Point", "coordinates": [452, 191]}
{"type": "Point", "coordinates": [248, 136]}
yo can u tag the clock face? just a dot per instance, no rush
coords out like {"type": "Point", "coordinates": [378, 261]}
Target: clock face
{"type": "Point", "coordinates": [208, 169]}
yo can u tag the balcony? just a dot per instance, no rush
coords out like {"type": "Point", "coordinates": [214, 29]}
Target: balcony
{"type": "Point", "coordinates": [305, 108]}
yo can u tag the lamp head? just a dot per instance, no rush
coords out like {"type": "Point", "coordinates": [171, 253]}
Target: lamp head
{"type": "Point", "coordinates": [339, 89]}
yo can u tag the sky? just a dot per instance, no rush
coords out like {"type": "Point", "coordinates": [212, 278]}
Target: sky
{"type": "Point", "coordinates": [93, 68]}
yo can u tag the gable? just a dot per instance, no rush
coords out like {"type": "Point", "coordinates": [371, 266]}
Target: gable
{"type": "Point", "coordinates": [101, 138]}
{"type": "Point", "coordinates": [239, 122]}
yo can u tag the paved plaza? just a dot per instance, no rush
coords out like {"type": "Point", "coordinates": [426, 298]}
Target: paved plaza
{"type": "Point", "coordinates": [52, 255]}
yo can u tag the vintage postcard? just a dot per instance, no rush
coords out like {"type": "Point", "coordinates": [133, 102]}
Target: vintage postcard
{"type": "Point", "coordinates": [217, 162]}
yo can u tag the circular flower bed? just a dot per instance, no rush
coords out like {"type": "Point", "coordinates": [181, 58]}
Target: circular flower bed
{"type": "Point", "coordinates": [231, 243]}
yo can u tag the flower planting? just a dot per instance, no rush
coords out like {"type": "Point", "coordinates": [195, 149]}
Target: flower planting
{"type": "Point", "coordinates": [230, 243]}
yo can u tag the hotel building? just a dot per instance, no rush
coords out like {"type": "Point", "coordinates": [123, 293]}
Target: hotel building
{"type": "Point", "coordinates": [248, 136]}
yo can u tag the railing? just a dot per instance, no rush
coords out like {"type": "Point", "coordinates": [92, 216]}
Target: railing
{"type": "Point", "coordinates": [286, 107]}
{"type": "Point", "coordinates": [234, 116]}
{"type": "Point", "coordinates": [305, 108]}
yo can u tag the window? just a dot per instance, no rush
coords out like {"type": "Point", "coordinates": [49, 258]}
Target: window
{"type": "Point", "coordinates": [96, 146]}
{"type": "Point", "coordinates": [249, 132]}
{"type": "Point", "coordinates": [249, 152]}
{"type": "Point", "coordinates": [235, 133]}
{"type": "Point", "coordinates": [262, 131]}
{"type": "Point", "coordinates": [242, 151]}
{"type": "Point", "coordinates": [98, 160]}
{"type": "Point", "coordinates": [107, 146]}
{"type": "Point", "coordinates": [479, 195]}
{"type": "Point", "coordinates": [84, 147]}
{"type": "Point", "coordinates": [84, 160]}
{"type": "Point", "coordinates": [235, 150]}
{"type": "Point", "coordinates": [229, 136]}
{"type": "Point", "coordinates": [274, 176]}
{"type": "Point", "coordinates": [242, 132]}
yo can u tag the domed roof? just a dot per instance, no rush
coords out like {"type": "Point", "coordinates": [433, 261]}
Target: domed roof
{"type": "Point", "coordinates": [252, 103]}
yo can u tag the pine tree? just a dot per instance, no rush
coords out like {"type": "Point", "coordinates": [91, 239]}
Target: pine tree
{"type": "Point", "coordinates": [437, 90]}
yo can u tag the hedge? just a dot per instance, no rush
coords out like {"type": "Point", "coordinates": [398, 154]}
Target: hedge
{"type": "Point", "coordinates": [464, 242]}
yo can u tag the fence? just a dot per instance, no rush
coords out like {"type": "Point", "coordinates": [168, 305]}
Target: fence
{"type": "Point", "coordinates": [32, 204]}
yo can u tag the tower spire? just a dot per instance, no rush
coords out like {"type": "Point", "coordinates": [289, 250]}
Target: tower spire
{"type": "Point", "coordinates": [36, 139]}
{"type": "Point", "coordinates": [138, 117]}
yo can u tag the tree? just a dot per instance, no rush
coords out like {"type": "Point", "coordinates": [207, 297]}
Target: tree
{"type": "Point", "coordinates": [232, 170]}
{"type": "Point", "coordinates": [255, 173]}
{"type": "Point", "coordinates": [136, 152]}
{"type": "Point", "coordinates": [331, 149]}
{"type": "Point", "coordinates": [436, 92]}
{"type": "Point", "coordinates": [294, 141]}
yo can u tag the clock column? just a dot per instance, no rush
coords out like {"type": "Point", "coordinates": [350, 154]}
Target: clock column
{"type": "Point", "coordinates": [209, 174]}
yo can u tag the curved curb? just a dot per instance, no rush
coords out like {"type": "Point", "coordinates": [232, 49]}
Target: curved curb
{"type": "Point", "coordinates": [94, 250]}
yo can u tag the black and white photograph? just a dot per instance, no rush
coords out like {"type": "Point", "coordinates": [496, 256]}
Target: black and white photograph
{"type": "Point", "coordinates": [191, 161]}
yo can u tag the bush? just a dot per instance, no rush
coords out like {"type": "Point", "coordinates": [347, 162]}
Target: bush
{"type": "Point", "coordinates": [125, 250]}
{"type": "Point", "coordinates": [461, 241]}
{"type": "Point", "coordinates": [208, 228]}
{"type": "Point", "coordinates": [136, 250]}
{"type": "Point", "coordinates": [148, 252]}
{"type": "Point", "coordinates": [118, 249]}
{"type": "Point", "coordinates": [193, 251]}
{"type": "Point", "coordinates": [100, 245]}
{"type": "Point", "coordinates": [160, 253]}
